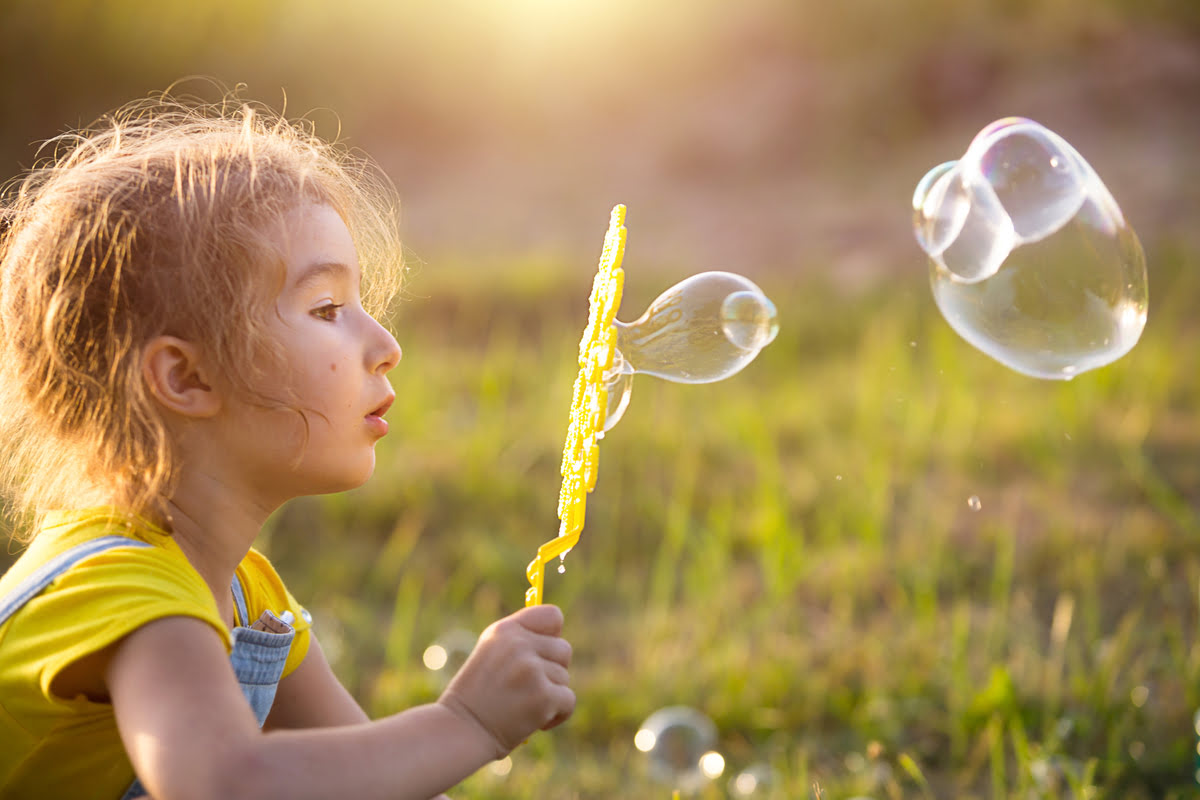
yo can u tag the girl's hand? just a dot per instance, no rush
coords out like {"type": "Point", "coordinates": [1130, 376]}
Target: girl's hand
{"type": "Point", "coordinates": [515, 681]}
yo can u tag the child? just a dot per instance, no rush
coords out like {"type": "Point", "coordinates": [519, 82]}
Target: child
{"type": "Point", "coordinates": [187, 340]}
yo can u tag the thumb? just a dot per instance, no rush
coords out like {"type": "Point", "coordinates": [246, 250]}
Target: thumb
{"type": "Point", "coordinates": [547, 620]}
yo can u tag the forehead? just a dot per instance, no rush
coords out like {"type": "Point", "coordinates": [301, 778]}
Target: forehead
{"type": "Point", "coordinates": [314, 236]}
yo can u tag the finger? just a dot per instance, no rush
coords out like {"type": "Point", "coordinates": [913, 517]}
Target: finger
{"type": "Point", "coordinates": [541, 619]}
{"type": "Point", "coordinates": [565, 703]}
{"type": "Point", "coordinates": [557, 674]}
{"type": "Point", "coordinates": [553, 648]}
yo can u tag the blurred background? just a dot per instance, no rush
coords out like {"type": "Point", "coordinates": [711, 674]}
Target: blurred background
{"type": "Point", "coordinates": [753, 136]}
{"type": "Point", "coordinates": [883, 565]}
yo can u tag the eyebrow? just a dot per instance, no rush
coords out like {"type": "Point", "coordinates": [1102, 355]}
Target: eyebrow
{"type": "Point", "coordinates": [324, 269]}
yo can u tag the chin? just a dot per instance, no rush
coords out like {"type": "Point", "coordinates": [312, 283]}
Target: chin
{"type": "Point", "coordinates": [343, 480]}
{"type": "Point", "coordinates": [333, 486]}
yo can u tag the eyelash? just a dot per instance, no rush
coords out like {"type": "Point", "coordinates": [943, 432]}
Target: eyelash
{"type": "Point", "coordinates": [328, 312]}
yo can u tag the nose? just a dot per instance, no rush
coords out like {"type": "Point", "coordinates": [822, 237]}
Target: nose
{"type": "Point", "coordinates": [385, 351]}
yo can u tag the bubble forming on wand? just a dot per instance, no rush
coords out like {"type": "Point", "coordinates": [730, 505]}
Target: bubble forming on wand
{"type": "Point", "coordinates": [589, 403]}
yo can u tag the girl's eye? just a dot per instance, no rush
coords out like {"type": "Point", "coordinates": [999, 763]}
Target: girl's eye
{"type": "Point", "coordinates": [328, 312]}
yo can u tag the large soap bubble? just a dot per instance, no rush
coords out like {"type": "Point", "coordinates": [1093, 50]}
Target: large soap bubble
{"type": "Point", "coordinates": [1030, 257]}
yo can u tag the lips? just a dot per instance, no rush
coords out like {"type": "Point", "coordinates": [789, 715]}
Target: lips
{"type": "Point", "coordinates": [375, 421]}
{"type": "Point", "coordinates": [383, 407]}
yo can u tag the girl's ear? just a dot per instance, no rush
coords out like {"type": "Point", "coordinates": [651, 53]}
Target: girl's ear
{"type": "Point", "coordinates": [176, 377]}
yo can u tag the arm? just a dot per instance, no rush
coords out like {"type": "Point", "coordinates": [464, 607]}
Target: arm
{"type": "Point", "coordinates": [311, 696]}
{"type": "Point", "coordinates": [190, 734]}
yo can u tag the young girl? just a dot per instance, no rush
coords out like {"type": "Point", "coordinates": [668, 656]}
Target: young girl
{"type": "Point", "coordinates": [186, 342]}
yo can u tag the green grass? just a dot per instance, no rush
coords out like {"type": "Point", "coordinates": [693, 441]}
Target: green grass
{"type": "Point", "coordinates": [792, 551]}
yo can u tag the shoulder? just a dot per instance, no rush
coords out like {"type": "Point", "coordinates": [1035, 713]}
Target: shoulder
{"type": "Point", "coordinates": [75, 536]}
{"type": "Point", "coordinates": [87, 555]}
{"type": "Point", "coordinates": [97, 600]}
{"type": "Point", "coordinates": [139, 560]}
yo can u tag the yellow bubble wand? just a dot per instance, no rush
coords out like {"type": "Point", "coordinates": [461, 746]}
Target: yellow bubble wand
{"type": "Point", "coordinates": [703, 329]}
{"type": "Point", "coordinates": [581, 451]}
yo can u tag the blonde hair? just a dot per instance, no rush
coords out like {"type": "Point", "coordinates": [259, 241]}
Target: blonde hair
{"type": "Point", "coordinates": [158, 219]}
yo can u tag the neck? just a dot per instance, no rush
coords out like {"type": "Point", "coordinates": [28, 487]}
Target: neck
{"type": "Point", "coordinates": [214, 528]}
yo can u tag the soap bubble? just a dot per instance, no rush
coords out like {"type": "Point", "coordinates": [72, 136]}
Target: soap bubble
{"type": "Point", "coordinates": [448, 653]}
{"type": "Point", "coordinates": [703, 329]}
{"type": "Point", "coordinates": [1030, 257]}
{"type": "Point", "coordinates": [679, 742]}
{"type": "Point", "coordinates": [712, 764]}
{"type": "Point", "coordinates": [1039, 179]}
{"type": "Point", "coordinates": [618, 383]}
{"type": "Point", "coordinates": [756, 780]}
{"type": "Point", "coordinates": [748, 320]}
{"type": "Point", "coordinates": [961, 223]}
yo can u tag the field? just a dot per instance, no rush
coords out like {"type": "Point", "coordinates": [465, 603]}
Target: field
{"type": "Point", "coordinates": [881, 563]}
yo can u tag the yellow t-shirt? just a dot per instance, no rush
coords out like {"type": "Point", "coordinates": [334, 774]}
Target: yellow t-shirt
{"type": "Point", "coordinates": [68, 747]}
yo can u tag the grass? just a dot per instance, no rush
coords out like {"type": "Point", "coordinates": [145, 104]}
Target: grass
{"type": "Point", "coordinates": [791, 551]}
{"type": "Point", "coordinates": [794, 551]}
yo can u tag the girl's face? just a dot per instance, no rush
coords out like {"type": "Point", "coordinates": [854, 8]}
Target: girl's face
{"type": "Point", "coordinates": [335, 357]}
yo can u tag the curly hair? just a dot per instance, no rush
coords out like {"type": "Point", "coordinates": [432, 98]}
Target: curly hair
{"type": "Point", "coordinates": [158, 219]}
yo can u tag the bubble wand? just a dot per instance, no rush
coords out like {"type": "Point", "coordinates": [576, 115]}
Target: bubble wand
{"type": "Point", "coordinates": [702, 329]}
{"type": "Point", "coordinates": [589, 404]}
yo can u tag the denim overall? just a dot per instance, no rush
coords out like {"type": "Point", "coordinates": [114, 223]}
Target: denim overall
{"type": "Point", "coordinates": [258, 657]}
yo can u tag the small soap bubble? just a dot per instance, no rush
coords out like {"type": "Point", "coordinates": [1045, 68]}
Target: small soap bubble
{"type": "Point", "coordinates": [448, 653]}
{"type": "Point", "coordinates": [712, 764]}
{"type": "Point", "coordinates": [618, 383]}
{"type": "Point", "coordinates": [1031, 260]}
{"type": "Point", "coordinates": [963, 223]}
{"type": "Point", "coordinates": [749, 320]}
{"type": "Point", "coordinates": [974, 503]}
{"type": "Point", "coordinates": [679, 742]}
{"type": "Point", "coordinates": [940, 208]}
{"type": "Point", "coordinates": [756, 780]}
{"type": "Point", "coordinates": [1038, 178]}
{"type": "Point", "coordinates": [562, 568]}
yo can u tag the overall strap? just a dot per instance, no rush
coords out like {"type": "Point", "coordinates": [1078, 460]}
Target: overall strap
{"type": "Point", "coordinates": [46, 573]}
{"type": "Point", "coordinates": [239, 597]}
